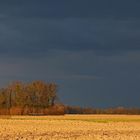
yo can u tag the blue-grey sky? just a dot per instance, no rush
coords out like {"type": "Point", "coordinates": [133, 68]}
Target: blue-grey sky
{"type": "Point", "coordinates": [90, 48]}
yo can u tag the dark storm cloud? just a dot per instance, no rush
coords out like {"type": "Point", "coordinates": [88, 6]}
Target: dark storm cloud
{"type": "Point", "coordinates": [92, 34]}
{"type": "Point", "coordinates": [90, 48]}
{"type": "Point", "coordinates": [72, 8]}
{"type": "Point", "coordinates": [38, 26]}
{"type": "Point", "coordinates": [41, 35]}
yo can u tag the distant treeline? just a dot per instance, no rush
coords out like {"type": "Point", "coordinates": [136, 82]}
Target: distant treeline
{"type": "Point", "coordinates": [117, 110]}
{"type": "Point", "coordinates": [40, 98]}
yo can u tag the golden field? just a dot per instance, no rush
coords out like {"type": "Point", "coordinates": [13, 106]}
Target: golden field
{"type": "Point", "coordinates": [70, 127]}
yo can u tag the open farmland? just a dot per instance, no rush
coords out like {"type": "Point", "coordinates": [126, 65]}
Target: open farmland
{"type": "Point", "coordinates": [71, 127]}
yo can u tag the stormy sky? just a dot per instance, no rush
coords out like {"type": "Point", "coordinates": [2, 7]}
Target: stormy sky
{"type": "Point", "coordinates": [90, 48]}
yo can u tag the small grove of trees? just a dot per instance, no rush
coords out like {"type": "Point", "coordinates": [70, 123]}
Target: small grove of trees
{"type": "Point", "coordinates": [36, 97]}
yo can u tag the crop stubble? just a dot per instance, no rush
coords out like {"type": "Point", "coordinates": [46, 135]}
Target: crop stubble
{"type": "Point", "coordinates": [71, 127]}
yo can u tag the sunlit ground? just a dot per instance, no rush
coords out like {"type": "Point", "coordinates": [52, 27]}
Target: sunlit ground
{"type": "Point", "coordinates": [71, 127]}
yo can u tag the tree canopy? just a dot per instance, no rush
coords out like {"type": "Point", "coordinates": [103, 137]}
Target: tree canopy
{"type": "Point", "coordinates": [36, 94]}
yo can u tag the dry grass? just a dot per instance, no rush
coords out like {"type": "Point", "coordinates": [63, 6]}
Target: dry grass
{"type": "Point", "coordinates": [71, 127]}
